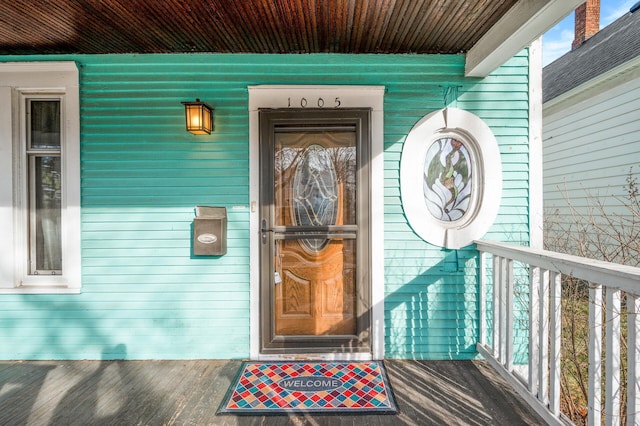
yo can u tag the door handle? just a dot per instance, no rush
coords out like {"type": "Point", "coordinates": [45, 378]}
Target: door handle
{"type": "Point", "coordinates": [264, 230]}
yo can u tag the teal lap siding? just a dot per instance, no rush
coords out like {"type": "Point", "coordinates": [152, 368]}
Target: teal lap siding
{"type": "Point", "coordinates": [144, 295]}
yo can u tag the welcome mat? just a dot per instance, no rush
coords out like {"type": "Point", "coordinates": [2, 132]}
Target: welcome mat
{"type": "Point", "coordinates": [309, 387]}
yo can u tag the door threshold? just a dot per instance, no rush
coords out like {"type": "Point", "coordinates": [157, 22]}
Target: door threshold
{"type": "Point", "coordinates": [337, 356]}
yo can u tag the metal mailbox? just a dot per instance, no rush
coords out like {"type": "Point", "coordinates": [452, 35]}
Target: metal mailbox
{"type": "Point", "coordinates": [210, 231]}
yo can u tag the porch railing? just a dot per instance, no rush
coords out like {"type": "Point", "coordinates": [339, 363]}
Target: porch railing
{"type": "Point", "coordinates": [610, 285]}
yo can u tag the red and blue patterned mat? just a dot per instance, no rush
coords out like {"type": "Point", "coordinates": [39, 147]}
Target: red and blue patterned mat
{"type": "Point", "coordinates": [309, 387]}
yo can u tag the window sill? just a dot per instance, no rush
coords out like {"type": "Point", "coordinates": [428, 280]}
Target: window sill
{"type": "Point", "coordinates": [41, 290]}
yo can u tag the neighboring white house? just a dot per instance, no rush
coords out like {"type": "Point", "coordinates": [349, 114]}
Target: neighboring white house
{"type": "Point", "coordinates": [591, 121]}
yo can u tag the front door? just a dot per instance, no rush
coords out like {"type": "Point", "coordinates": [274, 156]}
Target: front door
{"type": "Point", "coordinates": [314, 207]}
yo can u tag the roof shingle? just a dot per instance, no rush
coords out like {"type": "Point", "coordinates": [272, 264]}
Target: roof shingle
{"type": "Point", "coordinates": [612, 46]}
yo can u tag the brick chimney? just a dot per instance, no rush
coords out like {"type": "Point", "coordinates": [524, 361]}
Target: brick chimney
{"type": "Point", "coordinates": [587, 21]}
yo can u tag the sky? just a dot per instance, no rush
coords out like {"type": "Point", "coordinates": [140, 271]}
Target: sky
{"type": "Point", "coordinates": [557, 41]}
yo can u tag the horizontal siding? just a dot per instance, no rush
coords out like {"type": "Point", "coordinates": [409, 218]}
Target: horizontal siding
{"type": "Point", "coordinates": [431, 305]}
{"type": "Point", "coordinates": [144, 295]}
{"type": "Point", "coordinates": [589, 150]}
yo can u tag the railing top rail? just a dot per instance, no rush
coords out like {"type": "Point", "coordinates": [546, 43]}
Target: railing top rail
{"type": "Point", "coordinates": [623, 277]}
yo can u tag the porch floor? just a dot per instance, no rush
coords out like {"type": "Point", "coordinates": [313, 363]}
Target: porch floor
{"type": "Point", "coordinates": [189, 393]}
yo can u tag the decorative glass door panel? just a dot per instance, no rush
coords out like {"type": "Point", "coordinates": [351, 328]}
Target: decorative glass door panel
{"type": "Point", "coordinates": [311, 274]}
{"type": "Point", "coordinates": [314, 190]}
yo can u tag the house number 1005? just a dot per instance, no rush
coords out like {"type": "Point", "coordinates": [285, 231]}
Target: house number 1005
{"type": "Point", "coordinates": [319, 103]}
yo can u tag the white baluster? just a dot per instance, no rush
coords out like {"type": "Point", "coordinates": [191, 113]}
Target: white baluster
{"type": "Point", "coordinates": [595, 355]}
{"type": "Point", "coordinates": [556, 339]}
{"type": "Point", "coordinates": [612, 367]}
{"type": "Point", "coordinates": [633, 360]}
{"type": "Point", "coordinates": [543, 346]}
{"type": "Point", "coordinates": [534, 328]}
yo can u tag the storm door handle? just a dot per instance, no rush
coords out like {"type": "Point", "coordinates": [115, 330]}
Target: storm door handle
{"type": "Point", "coordinates": [264, 230]}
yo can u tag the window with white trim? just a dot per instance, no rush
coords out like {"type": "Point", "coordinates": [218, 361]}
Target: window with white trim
{"type": "Point", "coordinates": [450, 178]}
{"type": "Point", "coordinates": [40, 177]}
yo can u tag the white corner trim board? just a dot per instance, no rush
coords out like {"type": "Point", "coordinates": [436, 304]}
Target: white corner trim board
{"type": "Point", "coordinates": [478, 200]}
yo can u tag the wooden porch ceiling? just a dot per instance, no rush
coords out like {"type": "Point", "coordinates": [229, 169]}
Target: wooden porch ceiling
{"type": "Point", "coordinates": [246, 26]}
{"type": "Point", "coordinates": [489, 32]}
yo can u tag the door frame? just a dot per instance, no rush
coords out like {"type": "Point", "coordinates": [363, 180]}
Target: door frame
{"type": "Point", "coordinates": [329, 97]}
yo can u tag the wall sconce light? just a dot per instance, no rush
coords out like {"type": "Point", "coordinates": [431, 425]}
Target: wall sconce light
{"type": "Point", "coordinates": [199, 116]}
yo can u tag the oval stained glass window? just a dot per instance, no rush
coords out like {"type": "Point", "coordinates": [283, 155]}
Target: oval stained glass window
{"type": "Point", "coordinates": [451, 178]}
{"type": "Point", "coordinates": [448, 182]}
{"type": "Point", "coordinates": [315, 193]}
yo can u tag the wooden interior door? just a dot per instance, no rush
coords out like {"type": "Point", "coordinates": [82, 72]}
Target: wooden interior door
{"type": "Point", "coordinates": [313, 283]}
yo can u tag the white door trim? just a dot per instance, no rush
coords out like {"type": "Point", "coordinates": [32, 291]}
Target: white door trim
{"type": "Point", "coordinates": [334, 97]}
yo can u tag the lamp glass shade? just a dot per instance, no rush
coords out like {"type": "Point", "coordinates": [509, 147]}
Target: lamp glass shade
{"type": "Point", "coordinates": [199, 117]}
